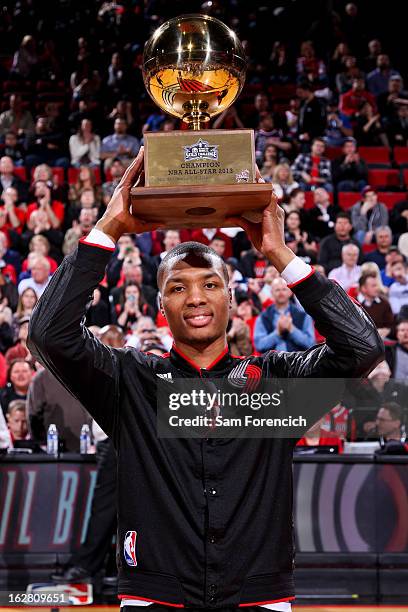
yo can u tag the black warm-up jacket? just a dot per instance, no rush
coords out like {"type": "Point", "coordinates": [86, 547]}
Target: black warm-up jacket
{"type": "Point", "coordinates": [210, 521]}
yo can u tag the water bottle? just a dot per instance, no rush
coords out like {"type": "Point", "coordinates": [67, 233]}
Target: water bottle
{"type": "Point", "coordinates": [52, 440]}
{"type": "Point", "coordinates": [84, 439]}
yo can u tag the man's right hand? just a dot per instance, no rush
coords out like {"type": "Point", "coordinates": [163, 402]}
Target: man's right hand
{"type": "Point", "coordinates": [118, 219]}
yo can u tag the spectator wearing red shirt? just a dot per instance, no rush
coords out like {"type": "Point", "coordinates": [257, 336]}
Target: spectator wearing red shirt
{"type": "Point", "coordinates": [14, 218]}
{"type": "Point", "coordinates": [247, 312]}
{"type": "Point", "coordinates": [40, 245]}
{"type": "Point", "coordinates": [55, 210]}
{"type": "Point", "coordinates": [352, 100]}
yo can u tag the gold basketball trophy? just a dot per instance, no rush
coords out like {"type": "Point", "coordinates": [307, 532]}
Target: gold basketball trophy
{"type": "Point", "coordinates": [194, 68]}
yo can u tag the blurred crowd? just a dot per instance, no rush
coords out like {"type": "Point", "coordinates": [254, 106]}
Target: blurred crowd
{"type": "Point", "coordinates": [330, 114]}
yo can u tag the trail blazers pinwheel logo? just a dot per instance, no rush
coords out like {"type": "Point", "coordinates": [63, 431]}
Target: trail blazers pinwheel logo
{"type": "Point", "coordinates": [245, 376]}
{"type": "Point", "coordinates": [200, 150]}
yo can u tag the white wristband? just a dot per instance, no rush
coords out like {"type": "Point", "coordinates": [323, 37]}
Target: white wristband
{"type": "Point", "coordinates": [295, 271]}
{"type": "Point", "coordinates": [95, 236]}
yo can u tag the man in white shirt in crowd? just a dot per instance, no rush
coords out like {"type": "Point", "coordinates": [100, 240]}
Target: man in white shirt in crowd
{"type": "Point", "coordinates": [348, 274]}
{"type": "Point", "coordinates": [398, 295]}
{"type": "Point", "coordinates": [39, 279]}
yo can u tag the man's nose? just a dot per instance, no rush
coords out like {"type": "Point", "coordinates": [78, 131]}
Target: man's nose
{"type": "Point", "coordinates": [196, 296]}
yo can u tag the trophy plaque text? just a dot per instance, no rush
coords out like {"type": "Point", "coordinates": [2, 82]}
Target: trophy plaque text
{"type": "Point", "coordinates": [194, 68]}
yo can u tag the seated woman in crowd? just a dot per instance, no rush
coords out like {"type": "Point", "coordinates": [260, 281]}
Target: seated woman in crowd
{"type": "Point", "coordinates": [282, 181]}
{"type": "Point", "coordinates": [85, 146]}
{"type": "Point", "coordinates": [305, 242]}
{"type": "Point", "coordinates": [131, 307]}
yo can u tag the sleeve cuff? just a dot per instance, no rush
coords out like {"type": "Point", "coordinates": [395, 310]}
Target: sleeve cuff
{"type": "Point", "coordinates": [296, 271]}
{"type": "Point", "coordinates": [98, 238]}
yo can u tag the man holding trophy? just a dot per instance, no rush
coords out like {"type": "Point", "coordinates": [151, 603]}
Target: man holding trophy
{"type": "Point", "coordinates": [204, 523]}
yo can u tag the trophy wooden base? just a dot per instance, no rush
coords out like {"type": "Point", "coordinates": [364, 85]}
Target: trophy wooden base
{"type": "Point", "coordinates": [199, 206]}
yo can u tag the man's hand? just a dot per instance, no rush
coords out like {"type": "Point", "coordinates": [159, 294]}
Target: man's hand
{"type": "Point", "coordinates": [118, 219]}
{"type": "Point", "coordinates": [268, 235]}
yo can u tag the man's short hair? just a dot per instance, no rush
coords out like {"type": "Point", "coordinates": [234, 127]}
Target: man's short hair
{"type": "Point", "coordinates": [17, 405]}
{"type": "Point", "coordinates": [394, 409]}
{"type": "Point", "coordinates": [318, 139]}
{"type": "Point", "coordinates": [364, 276]}
{"type": "Point", "coordinates": [194, 250]}
{"type": "Point", "coordinates": [343, 215]}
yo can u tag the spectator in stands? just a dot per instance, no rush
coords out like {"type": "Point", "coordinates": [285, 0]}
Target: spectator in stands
{"type": "Point", "coordinates": [116, 81]}
{"type": "Point", "coordinates": [296, 202]}
{"type": "Point", "coordinates": [207, 234]}
{"type": "Point", "coordinates": [308, 66]}
{"type": "Point", "coordinates": [312, 169]}
{"type": "Point", "coordinates": [80, 229]}
{"type": "Point", "coordinates": [391, 257]}
{"type": "Point", "coordinates": [331, 246]}
{"type": "Point", "coordinates": [26, 302]}
{"type": "Point", "coordinates": [320, 219]}
{"type": "Point", "coordinates": [398, 294]}
{"type": "Point", "coordinates": [17, 420]}
{"type": "Point", "coordinates": [397, 127]}
{"type": "Point", "coordinates": [270, 162]}
{"type": "Point", "coordinates": [238, 335]}
{"type": "Point", "coordinates": [253, 264]}
{"type": "Point", "coordinates": [119, 145]}
{"type": "Point", "coordinates": [348, 274]}
{"type": "Point", "coordinates": [377, 80]}
{"type": "Point", "coordinates": [383, 239]}
{"type": "Point", "coordinates": [98, 313]}
{"type": "Point", "coordinates": [10, 257]}
{"type": "Point", "coordinates": [374, 50]}
{"type": "Point", "coordinates": [171, 239]}
{"type": "Point", "coordinates": [123, 110]}
{"type": "Point", "coordinates": [133, 272]}
{"type": "Point", "coordinates": [14, 216]}
{"type": "Point", "coordinates": [17, 119]}
{"type": "Point", "coordinates": [338, 59]}
{"type": "Point", "coordinates": [12, 148]}
{"type": "Point", "coordinates": [218, 245]}
{"type": "Point", "coordinates": [18, 381]}
{"type": "Point", "coordinates": [283, 182]}
{"type": "Point", "coordinates": [368, 215]}
{"type": "Point", "coordinates": [8, 179]}
{"type": "Point", "coordinates": [306, 245]}
{"type": "Point", "coordinates": [85, 82]}
{"type": "Point", "coordinates": [350, 172]}
{"type": "Point", "coordinates": [26, 58]}
{"type": "Point", "coordinates": [351, 102]}
{"type": "Point", "coordinates": [262, 105]}
{"type": "Point", "coordinates": [397, 354]}
{"type": "Point", "coordinates": [132, 306]}
{"type": "Point", "coordinates": [40, 245]}
{"type": "Point", "coordinates": [374, 304]}
{"type": "Point", "coordinates": [228, 120]}
{"type": "Point", "coordinates": [349, 72]}
{"type": "Point", "coordinates": [312, 114]}
{"type": "Point", "coordinates": [389, 101]}
{"type": "Point", "coordinates": [283, 325]}
{"type": "Point", "coordinates": [5, 440]}
{"type": "Point", "coordinates": [44, 201]}
{"type": "Point", "coordinates": [292, 118]}
{"type": "Point", "coordinates": [40, 276]}
{"type": "Point", "coordinates": [337, 128]}
{"type": "Point", "coordinates": [399, 218]}
{"type": "Point", "coordinates": [267, 134]}
{"type": "Point", "coordinates": [280, 66]}
{"type": "Point", "coordinates": [116, 170]}
{"type": "Point", "coordinates": [45, 146]}
{"type": "Point", "coordinates": [247, 312]}
{"type": "Point", "coordinates": [145, 330]}
{"type": "Point", "coordinates": [389, 422]}
{"type": "Point", "coordinates": [85, 146]}
{"type": "Point", "coordinates": [369, 130]}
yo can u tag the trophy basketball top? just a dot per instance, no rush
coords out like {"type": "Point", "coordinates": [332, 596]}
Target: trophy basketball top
{"type": "Point", "coordinates": [194, 68]}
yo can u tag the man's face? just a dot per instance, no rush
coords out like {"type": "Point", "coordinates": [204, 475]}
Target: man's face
{"type": "Point", "coordinates": [349, 255]}
{"type": "Point", "coordinates": [17, 424]}
{"type": "Point", "coordinates": [87, 218]}
{"type": "Point", "coordinates": [10, 140]}
{"type": "Point", "coordinates": [195, 299]}
{"type": "Point", "coordinates": [39, 272]}
{"type": "Point", "coordinates": [120, 126]}
{"type": "Point", "coordinates": [383, 61]}
{"type": "Point", "coordinates": [398, 272]}
{"type": "Point", "coordinates": [374, 46]}
{"type": "Point", "coordinates": [393, 256]}
{"type": "Point", "coordinates": [402, 334]}
{"type": "Point", "coordinates": [349, 148]}
{"type": "Point", "coordinates": [117, 170]}
{"type": "Point", "coordinates": [386, 424]}
{"type": "Point", "coordinates": [358, 84]}
{"type": "Point", "coordinates": [394, 85]}
{"type": "Point", "coordinates": [371, 197]}
{"type": "Point", "coordinates": [280, 293]}
{"type": "Point", "coordinates": [41, 125]}
{"type": "Point", "coordinates": [21, 374]}
{"type": "Point", "coordinates": [267, 123]}
{"type": "Point", "coordinates": [261, 102]}
{"type": "Point", "coordinates": [342, 227]}
{"type": "Point", "coordinates": [244, 310]}
{"type": "Point", "coordinates": [384, 239]}
{"type": "Point", "coordinates": [6, 165]}
{"type": "Point", "coordinates": [133, 272]}
{"type": "Point", "coordinates": [321, 196]}
{"type": "Point", "coordinates": [171, 240]}
{"type": "Point", "coordinates": [87, 199]}
{"type": "Point", "coordinates": [318, 148]}
{"type": "Point", "coordinates": [371, 288]}
{"type": "Point", "coordinates": [218, 246]}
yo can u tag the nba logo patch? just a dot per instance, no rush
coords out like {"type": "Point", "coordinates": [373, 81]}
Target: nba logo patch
{"type": "Point", "coordinates": [129, 548]}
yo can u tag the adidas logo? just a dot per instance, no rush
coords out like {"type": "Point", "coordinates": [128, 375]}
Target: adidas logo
{"type": "Point", "coordinates": [167, 376]}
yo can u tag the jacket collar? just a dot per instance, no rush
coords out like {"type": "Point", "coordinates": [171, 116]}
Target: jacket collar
{"type": "Point", "coordinates": [182, 361]}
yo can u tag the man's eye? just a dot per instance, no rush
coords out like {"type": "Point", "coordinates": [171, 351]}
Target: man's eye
{"type": "Point", "coordinates": [177, 289]}
{"type": "Point", "coordinates": [210, 285]}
